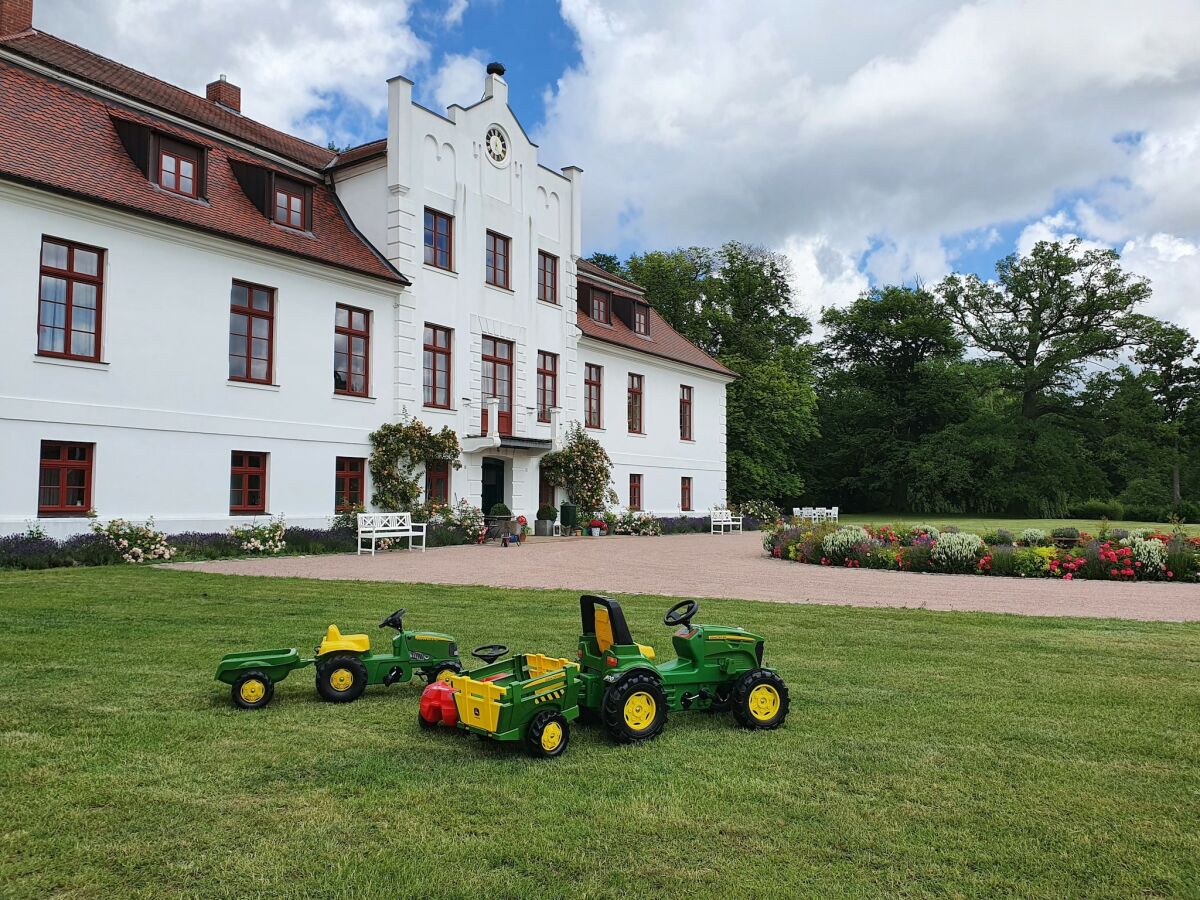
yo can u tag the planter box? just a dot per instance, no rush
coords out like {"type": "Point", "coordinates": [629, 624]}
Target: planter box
{"type": "Point", "coordinates": [543, 527]}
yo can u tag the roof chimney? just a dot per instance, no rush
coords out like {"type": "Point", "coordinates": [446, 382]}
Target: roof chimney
{"type": "Point", "coordinates": [221, 92]}
{"type": "Point", "coordinates": [495, 85]}
{"type": "Point", "coordinates": [15, 16]}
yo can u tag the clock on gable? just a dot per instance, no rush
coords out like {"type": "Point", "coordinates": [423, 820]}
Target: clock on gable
{"type": "Point", "coordinates": [496, 143]}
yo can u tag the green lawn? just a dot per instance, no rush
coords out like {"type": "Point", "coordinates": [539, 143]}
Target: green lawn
{"type": "Point", "coordinates": [948, 753]}
{"type": "Point", "coordinates": [981, 524]}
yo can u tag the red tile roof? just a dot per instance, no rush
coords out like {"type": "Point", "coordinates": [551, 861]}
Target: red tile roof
{"type": "Point", "coordinates": [73, 60]}
{"type": "Point", "coordinates": [663, 340]}
{"type": "Point", "coordinates": [360, 153]}
{"type": "Point", "coordinates": [63, 139]}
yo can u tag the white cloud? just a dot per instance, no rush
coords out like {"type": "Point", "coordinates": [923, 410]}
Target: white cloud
{"type": "Point", "coordinates": [455, 9]}
{"type": "Point", "coordinates": [1173, 266]}
{"type": "Point", "coordinates": [808, 123]}
{"type": "Point", "coordinates": [287, 57]}
{"type": "Point", "coordinates": [458, 80]}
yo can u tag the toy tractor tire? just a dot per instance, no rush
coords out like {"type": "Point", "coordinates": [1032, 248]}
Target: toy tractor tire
{"type": "Point", "coordinates": [760, 700]}
{"type": "Point", "coordinates": [252, 690]}
{"type": "Point", "coordinates": [634, 709]}
{"type": "Point", "coordinates": [432, 675]}
{"type": "Point", "coordinates": [341, 679]}
{"type": "Point", "coordinates": [425, 726]}
{"type": "Point", "coordinates": [547, 735]}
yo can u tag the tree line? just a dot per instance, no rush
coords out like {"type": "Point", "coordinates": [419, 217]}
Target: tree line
{"type": "Point", "coordinates": [1043, 391]}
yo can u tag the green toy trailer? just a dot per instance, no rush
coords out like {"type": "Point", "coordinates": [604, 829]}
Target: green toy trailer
{"type": "Point", "coordinates": [530, 699]}
{"type": "Point", "coordinates": [716, 668]}
{"type": "Point", "coordinates": [345, 664]}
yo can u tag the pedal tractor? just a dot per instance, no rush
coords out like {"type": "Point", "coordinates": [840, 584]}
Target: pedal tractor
{"type": "Point", "coordinates": [716, 668]}
{"type": "Point", "coordinates": [345, 664]}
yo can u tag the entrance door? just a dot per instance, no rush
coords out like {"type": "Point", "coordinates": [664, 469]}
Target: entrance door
{"type": "Point", "coordinates": [493, 484]}
{"type": "Point", "coordinates": [498, 381]}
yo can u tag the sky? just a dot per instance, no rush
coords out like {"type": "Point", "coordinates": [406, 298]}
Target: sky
{"type": "Point", "coordinates": [870, 142]}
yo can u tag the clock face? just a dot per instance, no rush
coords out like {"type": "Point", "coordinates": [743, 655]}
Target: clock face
{"type": "Point", "coordinates": [497, 144]}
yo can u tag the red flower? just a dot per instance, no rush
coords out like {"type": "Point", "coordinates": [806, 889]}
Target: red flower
{"type": "Point", "coordinates": [1170, 574]}
{"type": "Point", "coordinates": [1068, 577]}
{"type": "Point", "coordinates": [1113, 573]}
{"type": "Point", "coordinates": [1127, 572]}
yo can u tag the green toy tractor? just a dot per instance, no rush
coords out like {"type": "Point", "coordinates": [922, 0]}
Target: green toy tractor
{"type": "Point", "coordinates": [345, 664]}
{"type": "Point", "coordinates": [716, 668]}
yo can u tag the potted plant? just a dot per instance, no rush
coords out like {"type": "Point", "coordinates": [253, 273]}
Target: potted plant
{"type": "Point", "coordinates": [522, 530]}
{"type": "Point", "coordinates": [597, 526]}
{"type": "Point", "coordinates": [544, 524]}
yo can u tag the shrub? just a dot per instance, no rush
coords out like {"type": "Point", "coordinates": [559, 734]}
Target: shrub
{"type": "Point", "coordinates": [1151, 555]}
{"type": "Point", "coordinates": [957, 552]}
{"type": "Point", "coordinates": [927, 530]}
{"type": "Point", "coordinates": [1098, 509]}
{"type": "Point", "coordinates": [499, 510]}
{"type": "Point", "coordinates": [134, 543]}
{"type": "Point", "coordinates": [547, 513]}
{"type": "Point", "coordinates": [1065, 533]}
{"type": "Point", "coordinates": [838, 545]}
{"type": "Point", "coordinates": [1003, 562]}
{"type": "Point", "coordinates": [1033, 537]}
{"type": "Point", "coordinates": [1146, 499]}
{"type": "Point", "coordinates": [265, 537]}
{"type": "Point", "coordinates": [639, 523]}
{"type": "Point", "coordinates": [951, 529]}
{"type": "Point", "coordinates": [1032, 562]}
{"type": "Point", "coordinates": [1137, 534]}
{"type": "Point", "coordinates": [347, 520]}
{"type": "Point", "coordinates": [763, 510]}
{"type": "Point", "coordinates": [583, 468]}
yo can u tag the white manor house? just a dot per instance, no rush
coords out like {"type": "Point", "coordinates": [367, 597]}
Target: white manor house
{"type": "Point", "coordinates": [204, 318]}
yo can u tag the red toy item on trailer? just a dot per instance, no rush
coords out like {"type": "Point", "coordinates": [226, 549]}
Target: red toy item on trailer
{"type": "Point", "coordinates": [437, 705]}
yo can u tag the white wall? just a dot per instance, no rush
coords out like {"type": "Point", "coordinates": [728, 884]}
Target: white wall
{"type": "Point", "coordinates": [159, 407]}
{"type": "Point", "coordinates": [659, 455]}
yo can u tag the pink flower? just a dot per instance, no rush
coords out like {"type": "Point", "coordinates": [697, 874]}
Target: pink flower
{"type": "Point", "coordinates": [1113, 573]}
{"type": "Point", "coordinates": [1068, 577]}
{"type": "Point", "coordinates": [1170, 574]}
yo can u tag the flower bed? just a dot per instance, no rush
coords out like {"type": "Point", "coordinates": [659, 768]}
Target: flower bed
{"type": "Point", "coordinates": [1115, 556]}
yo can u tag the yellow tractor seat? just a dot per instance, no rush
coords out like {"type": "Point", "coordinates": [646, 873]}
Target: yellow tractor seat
{"type": "Point", "coordinates": [646, 650]}
{"type": "Point", "coordinates": [351, 643]}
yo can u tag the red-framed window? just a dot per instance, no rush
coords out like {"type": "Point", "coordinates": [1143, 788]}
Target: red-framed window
{"type": "Point", "coordinates": [547, 277]}
{"type": "Point", "coordinates": [70, 297]}
{"type": "Point", "coordinates": [437, 366]}
{"type": "Point", "coordinates": [179, 168]}
{"type": "Point", "coordinates": [497, 373]}
{"type": "Point", "coordinates": [247, 483]}
{"type": "Point", "coordinates": [496, 264]}
{"type": "Point", "coordinates": [685, 493]}
{"type": "Point", "coordinates": [634, 405]}
{"type": "Point", "coordinates": [545, 491]}
{"type": "Point", "coordinates": [439, 239]}
{"type": "Point", "coordinates": [601, 306]}
{"type": "Point", "coordinates": [592, 377]}
{"type": "Point", "coordinates": [635, 491]}
{"type": "Point", "coordinates": [641, 318]}
{"type": "Point", "coordinates": [351, 351]}
{"type": "Point", "coordinates": [437, 482]}
{"type": "Point", "coordinates": [348, 483]}
{"type": "Point", "coordinates": [685, 412]}
{"type": "Point", "coordinates": [291, 204]}
{"type": "Point", "coordinates": [65, 479]}
{"type": "Point", "coordinates": [251, 332]}
{"type": "Point", "coordinates": [547, 384]}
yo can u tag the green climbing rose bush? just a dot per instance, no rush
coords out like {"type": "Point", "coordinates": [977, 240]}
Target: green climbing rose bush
{"type": "Point", "coordinates": [582, 468]}
{"type": "Point", "coordinates": [399, 450]}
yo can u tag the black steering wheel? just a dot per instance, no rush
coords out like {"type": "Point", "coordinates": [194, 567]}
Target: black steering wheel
{"type": "Point", "coordinates": [395, 620]}
{"type": "Point", "coordinates": [681, 613]}
{"type": "Point", "coordinates": [489, 653]}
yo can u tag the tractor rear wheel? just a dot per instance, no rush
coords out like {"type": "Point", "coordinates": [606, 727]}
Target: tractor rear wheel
{"type": "Point", "coordinates": [547, 735]}
{"type": "Point", "coordinates": [252, 690]}
{"type": "Point", "coordinates": [635, 708]}
{"type": "Point", "coordinates": [432, 675]}
{"type": "Point", "coordinates": [341, 679]}
{"type": "Point", "coordinates": [760, 700]}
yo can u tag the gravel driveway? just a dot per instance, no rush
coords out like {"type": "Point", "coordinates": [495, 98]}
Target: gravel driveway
{"type": "Point", "coordinates": [702, 565]}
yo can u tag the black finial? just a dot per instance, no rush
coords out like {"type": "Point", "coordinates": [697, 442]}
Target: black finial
{"type": "Point", "coordinates": [495, 68]}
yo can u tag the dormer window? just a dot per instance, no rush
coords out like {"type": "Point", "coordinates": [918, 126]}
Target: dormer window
{"type": "Point", "coordinates": [178, 168]}
{"type": "Point", "coordinates": [641, 318]}
{"type": "Point", "coordinates": [290, 204]}
{"type": "Point", "coordinates": [601, 306]}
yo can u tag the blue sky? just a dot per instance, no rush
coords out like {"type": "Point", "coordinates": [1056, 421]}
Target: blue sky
{"type": "Point", "coordinates": [925, 137]}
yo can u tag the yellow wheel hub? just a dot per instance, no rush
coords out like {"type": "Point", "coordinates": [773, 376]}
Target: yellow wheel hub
{"type": "Point", "coordinates": [252, 691]}
{"type": "Point", "coordinates": [341, 679]}
{"type": "Point", "coordinates": [640, 709]}
{"type": "Point", "coordinates": [763, 702]}
{"type": "Point", "coordinates": [552, 736]}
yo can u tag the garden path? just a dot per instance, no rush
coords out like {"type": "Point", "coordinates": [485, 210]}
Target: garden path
{"type": "Point", "coordinates": [733, 566]}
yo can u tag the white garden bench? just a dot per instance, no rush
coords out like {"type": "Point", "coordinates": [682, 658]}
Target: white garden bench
{"type": "Point", "coordinates": [816, 513]}
{"type": "Point", "coordinates": [389, 525]}
{"type": "Point", "coordinates": [723, 520]}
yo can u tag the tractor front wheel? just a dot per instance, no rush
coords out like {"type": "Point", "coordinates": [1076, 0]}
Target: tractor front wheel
{"type": "Point", "coordinates": [252, 690]}
{"type": "Point", "coordinates": [634, 709]}
{"type": "Point", "coordinates": [435, 674]}
{"type": "Point", "coordinates": [547, 735]}
{"type": "Point", "coordinates": [341, 679]}
{"type": "Point", "coordinates": [760, 700]}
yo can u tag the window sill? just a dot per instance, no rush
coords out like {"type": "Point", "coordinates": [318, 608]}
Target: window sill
{"type": "Point", "coordinates": [430, 267]}
{"type": "Point", "coordinates": [594, 427]}
{"type": "Point", "coordinates": [549, 304]}
{"type": "Point", "coordinates": [499, 287]}
{"type": "Point", "coordinates": [59, 516]}
{"type": "Point", "coordinates": [439, 409]}
{"type": "Point", "coordinates": [357, 398]}
{"type": "Point", "coordinates": [636, 434]}
{"type": "Point", "coordinates": [298, 232]}
{"type": "Point", "coordinates": [252, 385]}
{"type": "Point", "coordinates": [73, 363]}
{"type": "Point", "coordinates": [687, 440]}
{"type": "Point", "coordinates": [188, 198]}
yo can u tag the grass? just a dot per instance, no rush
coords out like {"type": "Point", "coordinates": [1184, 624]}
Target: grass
{"type": "Point", "coordinates": [946, 753]}
{"type": "Point", "coordinates": [981, 524]}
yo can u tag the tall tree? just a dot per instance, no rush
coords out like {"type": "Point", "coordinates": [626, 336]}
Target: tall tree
{"type": "Point", "coordinates": [1169, 361]}
{"type": "Point", "coordinates": [1047, 315]}
{"type": "Point", "coordinates": [609, 262]}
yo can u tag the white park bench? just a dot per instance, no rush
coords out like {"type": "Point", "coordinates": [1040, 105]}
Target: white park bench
{"type": "Point", "coordinates": [389, 525]}
{"type": "Point", "coordinates": [816, 513]}
{"type": "Point", "coordinates": [723, 520]}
